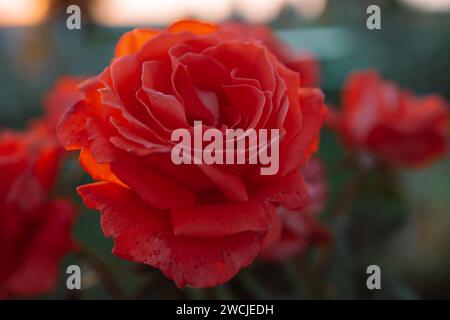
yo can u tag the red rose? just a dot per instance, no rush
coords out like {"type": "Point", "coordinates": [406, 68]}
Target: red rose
{"type": "Point", "coordinates": [199, 224]}
{"type": "Point", "coordinates": [34, 229]}
{"type": "Point", "coordinates": [303, 62]}
{"type": "Point", "coordinates": [394, 125]}
{"type": "Point", "coordinates": [300, 229]}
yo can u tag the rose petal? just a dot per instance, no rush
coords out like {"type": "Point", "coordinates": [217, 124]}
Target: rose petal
{"type": "Point", "coordinates": [144, 235]}
{"type": "Point", "coordinates": [155, 189]}
{"type": "Point", "coordinates": [192, 26]}
{"type": "Point", "coordinates": [289, 191]}
{"type": "Point", "coordinates": [296, 152]}
{"type": "Point", "coordinates": [98, 171]}
{"type": "Point", "coordinates": [231, 185]}
{"type": "Point", "coordinates": [131, 41]}
{"type": "Point", "coordinates": [71, 129]}
{"type": "Point", "coordinates": [212, 221]}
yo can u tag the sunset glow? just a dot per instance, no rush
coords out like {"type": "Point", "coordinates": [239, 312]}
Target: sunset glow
{"type": "Point", "coordinates": [19, 13]}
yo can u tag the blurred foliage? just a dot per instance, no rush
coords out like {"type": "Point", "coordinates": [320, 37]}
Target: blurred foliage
{"type": "Point", "coordinates": [400, 222]}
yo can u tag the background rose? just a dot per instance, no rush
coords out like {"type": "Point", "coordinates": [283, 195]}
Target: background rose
{"type": "Point", "coordinates": [198, 224]}
{"type": "Point", "coordinates": [34, 228]}
{"type": "Point", "coordinates": [59, 98]}
{"type": "Point", "coordinates": [56, 101]}
{"type": "Point", "coordinates": [392, 124]}
{"type": "Point", "coordinates": [302, 229]}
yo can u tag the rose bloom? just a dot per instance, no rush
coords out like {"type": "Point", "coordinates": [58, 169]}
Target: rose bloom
{"type": "Point", "coordinates": [302, 61]}
{"type": "Point", "coordinates": [34, 228]}
{"type": "Point", "coordinates": [301, 229]}
{"type": "Point", "coordinates": [392, 124]}
{"type": "Point", "coordinates": [199, 224]}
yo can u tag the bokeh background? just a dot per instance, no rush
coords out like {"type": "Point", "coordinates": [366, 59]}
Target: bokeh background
{"type": "Point", "coordinates": [400, 222]}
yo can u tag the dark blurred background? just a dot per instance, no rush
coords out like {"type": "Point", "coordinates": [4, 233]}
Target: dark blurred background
{"type": "Point", "coordinates": [405, 230]}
